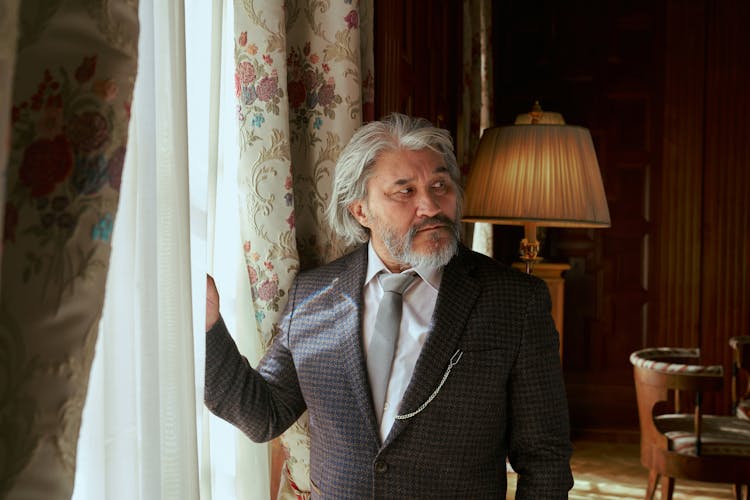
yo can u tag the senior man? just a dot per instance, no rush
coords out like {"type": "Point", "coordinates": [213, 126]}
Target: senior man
{"type": "Point", "coordinates": [423, 365]}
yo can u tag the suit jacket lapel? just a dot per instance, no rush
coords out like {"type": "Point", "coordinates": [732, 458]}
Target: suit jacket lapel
{"type": "Point", "coordinates": [456, 298]}
{"type": "Point", "coordinates": [348, 305]}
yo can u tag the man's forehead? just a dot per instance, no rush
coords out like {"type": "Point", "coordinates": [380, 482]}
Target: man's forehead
{"type": "Point", "coordinates": [420, 157]}
{"type": "Point", "coordinates": [438, 170]}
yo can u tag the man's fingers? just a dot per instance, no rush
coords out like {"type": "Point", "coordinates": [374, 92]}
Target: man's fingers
{"type": "Point", "coordinates": [212, 302]}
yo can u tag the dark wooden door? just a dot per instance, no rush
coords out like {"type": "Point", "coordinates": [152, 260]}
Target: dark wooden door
{"type": "Point", "coordinates": [598, 64]}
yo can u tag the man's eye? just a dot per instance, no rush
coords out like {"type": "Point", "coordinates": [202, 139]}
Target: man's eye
{"type": "Point", "coordinates": [405, 191]}
{"type": "Point", "coordinates": [439, 186]}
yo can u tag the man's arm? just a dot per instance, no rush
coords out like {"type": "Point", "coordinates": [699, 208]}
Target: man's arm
{"type": "Point", "coordinates": [540, 447]}
{"type": "Point", "coordinates": [261, 406]}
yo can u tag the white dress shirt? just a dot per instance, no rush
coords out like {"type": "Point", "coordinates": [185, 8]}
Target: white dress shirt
{"type": "Point", "coordinates": [418, 305]}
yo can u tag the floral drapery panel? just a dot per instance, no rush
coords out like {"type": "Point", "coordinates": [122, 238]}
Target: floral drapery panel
{"type": "Point", "coordinates": [304, 84]}
{"type": "Point", "coordinates": [72, 87]}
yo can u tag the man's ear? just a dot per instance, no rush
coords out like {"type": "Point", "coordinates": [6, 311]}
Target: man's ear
{"type": "Point", "coordinates": [357, 209]}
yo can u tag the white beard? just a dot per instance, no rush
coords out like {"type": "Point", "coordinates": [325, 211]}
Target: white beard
{"type": "Point", "coordinates": [401, 248]}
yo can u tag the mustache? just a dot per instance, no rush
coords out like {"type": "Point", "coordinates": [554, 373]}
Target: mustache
{"type": "Point", "coordinates": [437, 219]}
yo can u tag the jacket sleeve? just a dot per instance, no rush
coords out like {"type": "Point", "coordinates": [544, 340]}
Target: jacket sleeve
{"type": "Point", "coordinates": [262, 404]}
{"type": "Point", "coordinates": [540, 447]}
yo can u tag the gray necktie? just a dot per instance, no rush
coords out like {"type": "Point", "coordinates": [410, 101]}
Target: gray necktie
{"type": "Point", "coordinates": [383, 343]}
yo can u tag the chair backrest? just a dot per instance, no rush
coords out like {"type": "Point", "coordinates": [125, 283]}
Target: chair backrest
{"type": "Point", "coordinates": [663, 375]}
{"type": "Point", "coordinates": [676, 368]}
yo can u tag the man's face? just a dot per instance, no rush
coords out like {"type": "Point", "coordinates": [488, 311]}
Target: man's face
{"type": "Point", "coordinates": [410, 209]}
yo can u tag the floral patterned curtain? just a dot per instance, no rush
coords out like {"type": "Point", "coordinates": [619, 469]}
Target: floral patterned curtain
{"type": "Point", "coordinates": [304, 84]}
{"type": "Point", "coordinates": [477, 111]}
{"type": "Point", "coordinates": [72, 86]}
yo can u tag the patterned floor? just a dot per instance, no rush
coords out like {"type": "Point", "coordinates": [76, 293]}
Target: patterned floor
{"type": "Point", "coordinates": [612, 471]}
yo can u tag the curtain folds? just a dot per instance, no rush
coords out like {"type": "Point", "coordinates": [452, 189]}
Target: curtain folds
{"type": "Point", "coordinates": [139, 439]}
{"type": "Point", "coordinates": [69, 116]}
{"type": "Point", "coordinates": [8, 40]}
{"type": "Point", "coordinates": [303, 82]}
{"type": "Point", "coordinates": [258, 99]}
{"type": "Point", "coordinates": [147, 433]}
{"type": "Point", "coordinates": [477, 97]}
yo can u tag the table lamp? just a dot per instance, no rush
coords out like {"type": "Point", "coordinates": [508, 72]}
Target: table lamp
{"type": "Point", "coordinates": [537, 172]}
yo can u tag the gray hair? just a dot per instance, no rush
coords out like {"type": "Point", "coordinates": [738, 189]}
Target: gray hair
{"type": "Point", "coordinates": [354, 167]}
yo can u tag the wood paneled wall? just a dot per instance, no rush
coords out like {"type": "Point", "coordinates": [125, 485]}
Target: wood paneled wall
{"type": "Point", "coordinates": [664, 88]}
{"type": "Point", "coordinates": [702, 242]}
{"type": "Point", "coordinates": [725, 262]}
{"type": "Point", "coordinates": [676, 244]}
{"type": "Point", "coordinates": [417, 59]}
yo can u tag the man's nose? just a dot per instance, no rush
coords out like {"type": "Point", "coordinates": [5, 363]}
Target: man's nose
{"type": "Point", "coordinates": [427, 206]}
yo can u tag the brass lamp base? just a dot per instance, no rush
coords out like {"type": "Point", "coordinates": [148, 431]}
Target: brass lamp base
{"type": "Point", "coordinates": [529, 252]}
{"type": "Point", "coordinates": [529, 249]}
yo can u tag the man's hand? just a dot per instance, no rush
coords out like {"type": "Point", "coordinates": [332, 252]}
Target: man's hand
{"type": "Point", "coordinates": [212, 303]}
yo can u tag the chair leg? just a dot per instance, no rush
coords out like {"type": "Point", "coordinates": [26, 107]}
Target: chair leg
{"type": "Point", "coordinates": [667, 488]}
{"type": "Point", "coordinates": [741, 491]}
{"type": "Point", "coordinates": [653, 481]}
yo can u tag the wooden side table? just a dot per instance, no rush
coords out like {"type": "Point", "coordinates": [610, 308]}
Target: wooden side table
{"type": "Point", "coordinates": [551, 273]}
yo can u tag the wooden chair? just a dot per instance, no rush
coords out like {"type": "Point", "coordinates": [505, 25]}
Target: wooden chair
{"type": "Point", "coordinates": [677, 439]}
{"type": "Point", "coordinates": [741, 376]}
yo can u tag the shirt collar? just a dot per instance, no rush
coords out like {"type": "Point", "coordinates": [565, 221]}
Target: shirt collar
{"type": "Point", "coordinates": [430, 275]}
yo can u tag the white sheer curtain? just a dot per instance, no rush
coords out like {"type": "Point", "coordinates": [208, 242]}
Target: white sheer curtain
{"type": "Point", "coordinates": [145, 432]}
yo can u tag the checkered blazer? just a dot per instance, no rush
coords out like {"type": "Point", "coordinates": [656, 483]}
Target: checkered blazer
{"type": "Point", "coordinates": [503, 396]}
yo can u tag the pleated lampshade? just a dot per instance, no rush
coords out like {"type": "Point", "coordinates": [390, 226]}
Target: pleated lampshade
{"type": "Point", "coordinates": [546, 174]}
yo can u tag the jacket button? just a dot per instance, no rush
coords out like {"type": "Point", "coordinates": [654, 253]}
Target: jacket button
{"type": "Point", "coordinates": [381, 466]}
